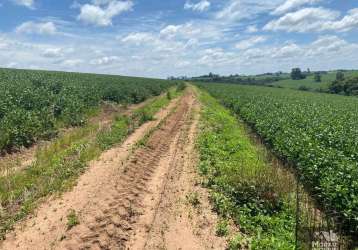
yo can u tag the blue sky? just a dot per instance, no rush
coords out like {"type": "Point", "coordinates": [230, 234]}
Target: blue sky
{"type": "Point", "coordinates": [158, 38]}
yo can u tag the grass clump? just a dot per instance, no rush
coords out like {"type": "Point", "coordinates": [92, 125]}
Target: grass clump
{"type": "Point", "coordinates": [72, 219]}
{"type": "Point", "coordinates": [193, 199]}
{"type": "Point", "coordinates": [222, 228]}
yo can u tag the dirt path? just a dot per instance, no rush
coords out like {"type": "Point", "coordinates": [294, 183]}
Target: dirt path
{"type": "Point", "coordinates": [132, 199]}
{"type": "Point", "coordinates": [169, 218]}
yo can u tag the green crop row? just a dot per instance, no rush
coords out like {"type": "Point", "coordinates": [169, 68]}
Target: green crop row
{"type": "Point", "coordinates": [318, 133]}
{"type": "Point", "coordinates": [34, 104]}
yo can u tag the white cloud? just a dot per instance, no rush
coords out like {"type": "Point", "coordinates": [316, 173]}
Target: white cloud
{"type": "Point", "coordinates": [45, 28]}
{"type": "Point", "coordinates": [291, 5]}
{"type": "Point", "coordinates": [248, 43]}
{"type": "Point", "coordinates": [251, 29]}
{"type": "Point", "coordinates": [314, 19]}
{"type": "Point", "coordinates": [236, 10]}
{"type": "Point", "coordinates": [216, 57]}
{"type": "Point", "coordinates": [288, 51]}
{"type": "Point", "coordinates": [325, 50]}
{"type": "Point", "coordinates": [304, 20]}
{"type": "Point", "coordinates": [185, 30]}
{"type": "Point", "coordinates": [52, 52]}
{"type": "Point", "coordinates": [191, 43]}
{"type": "Point", "coordinates": [4, 43]}
{"type": "Point", "coordinates": [326, 45]}
{"type": "Point", "coordinates": [72, 62]}
{"type": "Point", "coordinates": [138, 38]}
{"type": "Point", "coordinates": [106, 60]}
{"type": "Point", "coordinates": [201, 6]}
{"type": "Point", "coordinates": [99, 15]}
{"type": "Point", "coordinates": [348, 22]}
{"type": "Point", "coordinates": [27, 3]}
{"type": "Point", "coordinates": [182, 64]}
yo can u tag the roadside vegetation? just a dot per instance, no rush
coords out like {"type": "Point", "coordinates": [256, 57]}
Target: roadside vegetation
{"type": "Point", "coordinates": [245, 187]}
{"type": "Point", "coordinates": [58, 164]}
{"type": "Point", "coordinates": [317, 133]}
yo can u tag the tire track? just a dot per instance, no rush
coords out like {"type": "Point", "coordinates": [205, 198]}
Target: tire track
{"type": "Point", "coordinates": [109, 225]}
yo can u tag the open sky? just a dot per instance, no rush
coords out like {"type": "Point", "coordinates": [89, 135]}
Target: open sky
{"type": "Point", "coordinates": [159, 38]}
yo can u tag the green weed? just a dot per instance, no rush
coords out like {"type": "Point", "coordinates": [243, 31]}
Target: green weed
{"type": "Point", "coordinates": [72, 219]}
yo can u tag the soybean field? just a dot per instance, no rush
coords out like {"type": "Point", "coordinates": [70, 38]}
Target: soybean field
{"type": "Point", "coordinates": [34, 104]}
{"type": "Point", "coordinates": [317, 133]}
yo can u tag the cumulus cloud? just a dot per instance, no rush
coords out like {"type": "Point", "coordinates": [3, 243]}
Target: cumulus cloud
{"type": "Point", "coordinates": [138, 38]}
{"type": "Point", "coordinates": [287, 51]}
{"type": "Point", "coordinates": [42, 28]}
{"type": "Point", "coordinates": [291, 5]}
{"type": "Point", "coordinates": [326, 45]}
{"type": "Point", "coordinates": [101, 12]}
{"type": "Point", "coordinates": [27, 3]}
{"type": "Point", "coordinates": [314, 19]}
{"type": "Point", "coordinates": [215, 57]}
{"type": "Point", "coordinates": [201, 6]}
{"type": "Point", "coordinates": [325, 49]}
{"type": "Point", "coordinates": [304, 20]}
{"type": "Point", "coordinates": [348, 22]}
{"type": "Point", "coordinates": [252, 41]}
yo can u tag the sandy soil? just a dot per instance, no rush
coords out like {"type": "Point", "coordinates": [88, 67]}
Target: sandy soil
{"type": "Point", "coordinates": [169, 220]}
{"type": "Point", "coordinates": [132, 198]}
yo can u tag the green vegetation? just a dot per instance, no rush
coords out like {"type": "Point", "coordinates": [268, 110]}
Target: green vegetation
{"type": "Point", "coordinates": [310, 82]}
{"type": "Point", "coordinates": [317, 77]}
{"type": "Point", "coordinates": [72, 219]}
{"type": "Point", "coordinates": [222, 228]}
{"type": "Point", "coordinates": [34, 104]}
{"type": "Point", "coordinates": [193, 199]}
{"type": "Point", "coordinates": [318, 133]}
{"type": "Point", "coordinates": [344, 86]}
{"type": "Point", "coordinates": [264, 79]}
{"type": "Point", "coordinates": [297, 74]}
{"type": "Point", "coordinates": [244, 186]}
{"type": "Point", "coordinates": [58, 165]}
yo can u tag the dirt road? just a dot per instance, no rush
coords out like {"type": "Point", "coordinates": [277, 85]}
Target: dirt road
{"type": "Point", "coordinates": [133, 197]}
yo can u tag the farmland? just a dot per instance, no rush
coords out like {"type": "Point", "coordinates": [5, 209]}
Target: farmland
{"type": "Point", "coordinates": [35, 104]}
{"type": "Point", "coordinates": [318, 133]}
{"type": "Point", "coordinates": [138, 163]}
{"type": "Point", "coordinates": [309, 82]}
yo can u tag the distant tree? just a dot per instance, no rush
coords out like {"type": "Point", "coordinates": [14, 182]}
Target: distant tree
{"type": "Point", "coordinates": [317, 77]}
{"type": "Point", "coordinates": [296, 74]}
{"type": "Point", "coordinates": [340, 76]}
{"type": "Point", "coordinates": [347, 86]}
{"type": "Point", "coordinates": [308, 70]}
